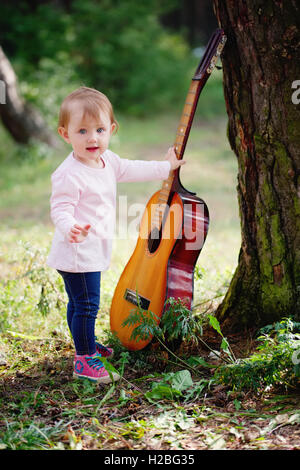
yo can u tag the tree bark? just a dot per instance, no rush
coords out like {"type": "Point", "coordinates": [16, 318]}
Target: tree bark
{"type": "Point", "coordinates": [21, 120]}
{"type": "Point", "coordinates": [261, 64]}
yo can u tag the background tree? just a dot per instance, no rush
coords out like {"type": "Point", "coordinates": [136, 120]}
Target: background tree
{"type": "Point", "coordinates": [21, 120]}
{"type": "Point", "coordinates": [117, 46]}
{"type": "Point", "coordinates": [260, 63]}
{"type": "Point", "coordinates": [194, 19]}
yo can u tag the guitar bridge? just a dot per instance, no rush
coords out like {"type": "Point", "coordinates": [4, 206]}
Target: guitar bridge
{"type": "Point", "coordinates": [132, 297]}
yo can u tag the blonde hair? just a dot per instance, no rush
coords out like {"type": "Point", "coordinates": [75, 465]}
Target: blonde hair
{"type": "Point", "coordinates": [92, 101]}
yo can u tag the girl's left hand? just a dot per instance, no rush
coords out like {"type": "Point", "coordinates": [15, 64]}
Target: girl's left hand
{"type": "Point", "coordinates": [77, 233]}
{"type": "Point", "coordinates": [171, 157]}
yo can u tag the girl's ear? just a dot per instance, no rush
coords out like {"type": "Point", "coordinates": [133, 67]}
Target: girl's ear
{"type": "Point", "coordinates": [113, 127]}
{"type": "Point", "coordinates": [64, 134]}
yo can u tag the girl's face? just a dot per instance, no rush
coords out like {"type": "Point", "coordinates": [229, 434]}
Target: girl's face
{"type": "Point", "coordinates": [88, 136]}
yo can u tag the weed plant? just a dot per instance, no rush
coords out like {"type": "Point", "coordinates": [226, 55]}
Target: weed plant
{"type": "Point", "coordinates": [274, 363]}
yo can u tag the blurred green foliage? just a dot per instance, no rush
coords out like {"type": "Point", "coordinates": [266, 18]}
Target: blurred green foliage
{"type": "Point", "coordinates": [117, 46]}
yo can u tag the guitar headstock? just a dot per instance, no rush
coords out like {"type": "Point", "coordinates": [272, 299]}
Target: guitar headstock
{"type": "Point", "coordinates": [212, 53]}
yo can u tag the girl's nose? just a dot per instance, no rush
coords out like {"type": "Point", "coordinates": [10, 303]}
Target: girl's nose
{"type": "Point", "coordinates": [92, 137]}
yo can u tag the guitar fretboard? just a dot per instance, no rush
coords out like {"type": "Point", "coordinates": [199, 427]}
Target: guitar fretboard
{"type": "Point", "coordinates": [179, 145]}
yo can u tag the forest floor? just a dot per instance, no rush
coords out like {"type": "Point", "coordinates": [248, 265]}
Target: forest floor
{"type": "Point", "coordinates": [42, 406]}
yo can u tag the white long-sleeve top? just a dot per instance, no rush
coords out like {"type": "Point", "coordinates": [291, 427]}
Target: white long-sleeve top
{"type": "Point", "coordinates": [85, 195]}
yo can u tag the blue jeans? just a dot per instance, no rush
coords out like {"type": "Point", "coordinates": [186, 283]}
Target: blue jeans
{"type": "Point", "coordinates": [83, 290]}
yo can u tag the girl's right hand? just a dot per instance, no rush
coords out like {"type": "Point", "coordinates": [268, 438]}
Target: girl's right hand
{"type": "Point", "coordinates": [77, 233]}
{"type": "Point", "coordinates": [172, 158]}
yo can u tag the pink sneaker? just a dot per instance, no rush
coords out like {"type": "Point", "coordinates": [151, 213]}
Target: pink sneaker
{"type": "Point", "coordinates": [91, 367]}
{"type": "Point", "coordinates": [103, 350]}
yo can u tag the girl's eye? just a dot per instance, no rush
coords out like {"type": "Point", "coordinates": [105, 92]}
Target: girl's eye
{"type": "Point", "coordinates": [100, 130]}
{"type": "Point", "coordinates": [82, 131]}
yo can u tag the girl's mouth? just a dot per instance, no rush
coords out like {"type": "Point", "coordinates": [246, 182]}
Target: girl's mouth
{"type": "Point", "coordinates": [92, 149]}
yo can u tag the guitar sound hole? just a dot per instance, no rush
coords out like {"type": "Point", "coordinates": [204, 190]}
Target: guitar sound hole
{"type": "Point", "coordinates": [154, 240]}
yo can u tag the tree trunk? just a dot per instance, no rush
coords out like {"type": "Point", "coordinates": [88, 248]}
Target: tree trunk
{"type": "Point", "coordinates": [21, 120]}
{"type": "Point", "coordinates": [261, 65]}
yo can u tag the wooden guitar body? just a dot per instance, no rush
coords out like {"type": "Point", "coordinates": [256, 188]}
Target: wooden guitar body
{"type": "Point", "coordinates": [169, 271]}
{"type": "Point", "coordinates": [145, 273]}
{"type": "Point", "coordinates": [172, 232]}
{"type": "Point", "coordinates": [181, 265]}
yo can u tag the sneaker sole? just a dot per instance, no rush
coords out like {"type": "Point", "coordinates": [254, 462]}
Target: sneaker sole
{"type": "Point", "coordinates": [103, 380]}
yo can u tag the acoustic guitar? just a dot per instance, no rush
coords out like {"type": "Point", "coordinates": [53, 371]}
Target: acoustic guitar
{"type": "Point", "coordinates": [172, 231]}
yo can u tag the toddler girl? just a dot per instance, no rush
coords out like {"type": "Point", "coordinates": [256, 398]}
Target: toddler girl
{"type": "Point", "coordinates": [83, 206]}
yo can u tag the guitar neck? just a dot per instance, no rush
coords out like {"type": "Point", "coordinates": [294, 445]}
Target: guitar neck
{"type": "Point", "coordinates": [181, 138]}
{"type": "Point", "coordinates": [183, 131]}
{"type": "Point", "coordinates": [206, 66]}
{"type": "Point", "coordinates": [182, 134]}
